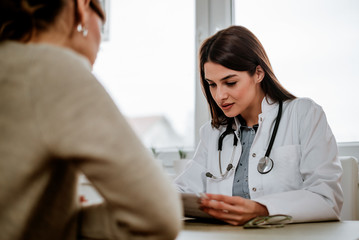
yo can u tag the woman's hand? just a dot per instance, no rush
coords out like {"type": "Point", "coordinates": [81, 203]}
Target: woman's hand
{"type": "Point", "coordinates": [232, 209]}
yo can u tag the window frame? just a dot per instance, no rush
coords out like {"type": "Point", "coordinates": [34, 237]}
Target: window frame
{"type": "Point", "coordinates": [211, 16]}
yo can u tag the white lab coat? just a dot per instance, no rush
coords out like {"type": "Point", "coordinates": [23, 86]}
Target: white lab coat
{"type": "Point", "coordinates": [305, 179]}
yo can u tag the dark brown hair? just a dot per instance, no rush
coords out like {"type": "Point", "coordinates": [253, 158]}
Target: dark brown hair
{"type": "Point", "coordinates": [238, 49]}
{"type": "Point", "coordinates": [96, 6]}
{"type": "Point", "coordinates": [19, 18]}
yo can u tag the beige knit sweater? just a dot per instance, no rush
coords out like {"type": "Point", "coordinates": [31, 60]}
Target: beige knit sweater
{"type": "Point", "coordinates": [56, 120]}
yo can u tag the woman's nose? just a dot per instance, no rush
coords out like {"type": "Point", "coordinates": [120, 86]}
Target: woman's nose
{"type": "Point", "coordinates": [221, 93]}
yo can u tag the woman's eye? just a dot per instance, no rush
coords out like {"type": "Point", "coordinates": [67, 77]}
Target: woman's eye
{"type": "Point", "coordinates": [211, 85]}
{"type": "Point", "coordinates": [231, 83]}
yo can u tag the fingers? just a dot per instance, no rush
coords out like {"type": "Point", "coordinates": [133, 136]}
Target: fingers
{"type": "Point", "coordinates": [222, 210]}
{"type": "Point", "coordinates": [226, 216]}
{"type": "Point", "coordinates": [235, 223]}
{"type": "Point", "coordinates": [227, 204]}
{"type": "Point", "coordinates": [221, 206]}
{"type": "Point", "coordinates": [231, 209]}
{"type": "Point", "coordinates": [228, 199]}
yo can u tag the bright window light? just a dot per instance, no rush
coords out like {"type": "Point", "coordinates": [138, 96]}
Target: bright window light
{"type": "Point", "coordinates": [313, 47]}
{"type": "Point", "coordinates": [147, 64]}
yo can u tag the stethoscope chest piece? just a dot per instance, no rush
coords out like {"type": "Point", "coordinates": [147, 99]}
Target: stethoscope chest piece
{"type": "Point", "coordinates": [265, 165]}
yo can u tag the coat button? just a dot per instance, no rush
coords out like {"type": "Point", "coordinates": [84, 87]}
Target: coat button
{"type": "Point", "coordinates": [254, 189]}
{"type": "Point", "coordinates": [254, 155]}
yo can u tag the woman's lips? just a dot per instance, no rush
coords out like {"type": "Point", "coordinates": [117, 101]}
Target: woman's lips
{"type": "Point", "coordinates": [226, 106]}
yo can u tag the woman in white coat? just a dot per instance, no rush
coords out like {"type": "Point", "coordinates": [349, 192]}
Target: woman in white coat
{"type": "Point", "coordinates": [301, 174]}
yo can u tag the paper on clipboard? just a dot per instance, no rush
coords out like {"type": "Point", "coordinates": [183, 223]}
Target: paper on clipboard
{"type": "Point", "coordinates": [191, 206]}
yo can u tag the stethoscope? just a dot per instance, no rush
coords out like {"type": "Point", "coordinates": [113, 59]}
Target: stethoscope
{"type": "Point", "coordinates": [265, 164]}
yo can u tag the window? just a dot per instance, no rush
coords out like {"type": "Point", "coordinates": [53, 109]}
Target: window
{"type": "Point", "coordinates": [314, 51]}
{"type": "Point", "coordinates": [147, 64]}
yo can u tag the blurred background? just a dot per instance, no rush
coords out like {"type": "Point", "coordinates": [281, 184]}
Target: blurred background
{"type": "Point", "coordinates": [147, 60]}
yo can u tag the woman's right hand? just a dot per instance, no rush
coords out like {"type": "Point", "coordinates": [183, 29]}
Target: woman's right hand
{"type": "Point", "coordinates": [234, 210]}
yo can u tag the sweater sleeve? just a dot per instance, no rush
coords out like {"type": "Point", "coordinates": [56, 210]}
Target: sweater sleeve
{"type": "Point", "coordinates": [81, 125]}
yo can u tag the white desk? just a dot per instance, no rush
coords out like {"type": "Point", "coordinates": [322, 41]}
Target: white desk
{"type": "Point", "coordinates": [346, 230]}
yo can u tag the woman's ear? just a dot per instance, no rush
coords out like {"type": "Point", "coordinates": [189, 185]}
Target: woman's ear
{"type": "Point", "coordinates": [82, 11]}
{"type": "Point", "coordinates": [259, 74]}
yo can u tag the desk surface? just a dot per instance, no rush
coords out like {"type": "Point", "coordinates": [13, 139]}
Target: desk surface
{"type": "Point", "coordinates": [194, 230]}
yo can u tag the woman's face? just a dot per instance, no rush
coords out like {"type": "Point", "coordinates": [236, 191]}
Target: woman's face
{"type": "Point", "coordinates": [235, 92]}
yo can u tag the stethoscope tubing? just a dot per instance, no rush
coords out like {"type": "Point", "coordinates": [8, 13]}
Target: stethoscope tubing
{"type": "Point", "coordinates": [274, 134]}
{"type": "Point", "coordinates": [265, 164]}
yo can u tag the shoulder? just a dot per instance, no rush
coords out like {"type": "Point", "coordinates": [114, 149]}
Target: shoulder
{"type": "Point", "coordinates": [302, 105]}
{"type": "Point", "coordinates": [207, 131]}
{"type": "Point", "coordinates": [305, 110]}
{"type": "Point", "coordinates": [61, 69]}
{"type": "Point", "coordinates": [208, 128]}
{"type": "Point", "coordinates": [44, 66]}
{"type": "Point", "coordinates": [63, 61]}
{"type": "Point", "coordinates": [45, 61]}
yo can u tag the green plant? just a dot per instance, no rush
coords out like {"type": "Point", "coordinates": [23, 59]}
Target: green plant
{"type": "Point", "coordinates": [154, 152]}
{"type": "Point", "coordinates": [182, 153]}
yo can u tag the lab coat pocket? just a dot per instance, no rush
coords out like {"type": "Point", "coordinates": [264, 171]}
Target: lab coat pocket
{"type": "Point", "coordinates": [285, 174]}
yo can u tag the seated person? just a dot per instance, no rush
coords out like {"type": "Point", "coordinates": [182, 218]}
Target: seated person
{"type": "Point", "coordinates": [56, 121]}
{"type": "Point", "coordinates": [265, 151]}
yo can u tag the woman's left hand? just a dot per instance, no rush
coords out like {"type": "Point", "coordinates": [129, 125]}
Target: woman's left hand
{"type": "Point", "coordinates": [232, 209]}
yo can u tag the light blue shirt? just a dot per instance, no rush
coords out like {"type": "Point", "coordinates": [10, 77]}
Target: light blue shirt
{"type": "Point", "coordinates": [240, 181]}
